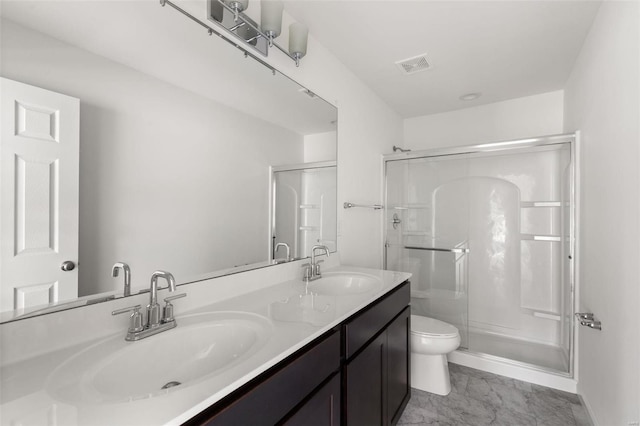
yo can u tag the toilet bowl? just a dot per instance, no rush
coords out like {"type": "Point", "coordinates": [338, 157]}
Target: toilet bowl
{"type": "Point", "coordinates": [431, 340]}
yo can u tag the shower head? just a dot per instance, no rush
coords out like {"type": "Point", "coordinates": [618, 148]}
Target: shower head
{"type": "Point", "coordinates": [397, 148]}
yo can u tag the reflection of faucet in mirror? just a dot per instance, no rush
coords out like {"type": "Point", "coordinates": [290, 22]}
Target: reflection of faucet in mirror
{"type": "Point", "coordinates": [127, 275]}
{"type": "Point", "coordinates": [140, 82]}
{"type": "Point", "coordinates": [312, 271]}
{"type": "Point", "coordinates": [154, 324]}
{"type": "Point", "coordinates": [287, 257]}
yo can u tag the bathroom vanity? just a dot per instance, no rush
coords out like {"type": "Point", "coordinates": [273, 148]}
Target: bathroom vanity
{"type": "Point", "coordinates": [357, 373]}
{"type": "Point", "coordinates": [271, 349]}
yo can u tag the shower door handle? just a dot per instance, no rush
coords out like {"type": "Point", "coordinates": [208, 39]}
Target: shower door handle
{"type": "Point", "coordinates": [587, 319]}
{"type": "Point", "coordinates": [446, 250]}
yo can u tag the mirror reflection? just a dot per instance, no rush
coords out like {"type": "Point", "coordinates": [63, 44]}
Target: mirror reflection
{"type": "Point", "coordinates": [151, 147]}
{"type": "Point", "coordinates": [304, 209]}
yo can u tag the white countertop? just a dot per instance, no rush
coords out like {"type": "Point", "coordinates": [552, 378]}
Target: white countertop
{"type": "Point", "coordinates": [26, 398]}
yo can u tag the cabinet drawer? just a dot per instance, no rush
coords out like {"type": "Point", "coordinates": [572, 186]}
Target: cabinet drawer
{"type": "Point", "coordinates": [365, 325]}
{"type": "Point", "coordinates": [267, 402]}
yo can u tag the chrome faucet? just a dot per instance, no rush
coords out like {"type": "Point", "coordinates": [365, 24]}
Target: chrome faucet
{"type": "Point", "coordinates": [153, 308]}
{"type": "Point", "coordinates": [312, 271]}
{"type": "Point", "coordinates": [127, 275]}
{"type": "Point", "coordinates": [155, 322]}
{"type": "Point", "coordinates": [287, 254]}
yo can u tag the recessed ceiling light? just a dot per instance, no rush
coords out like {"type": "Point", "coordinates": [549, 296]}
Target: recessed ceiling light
{"type": "Point", "coordinates": [470, 96]}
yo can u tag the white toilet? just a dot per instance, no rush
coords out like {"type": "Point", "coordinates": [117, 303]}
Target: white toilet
{"type": "Point", "coordinates": [431, 341]}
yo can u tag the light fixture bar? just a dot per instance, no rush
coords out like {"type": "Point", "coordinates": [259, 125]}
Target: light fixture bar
{"type": "Point", "coordinates": [212, 31]}
{"type": "Point", "coordinates": [242, 18]}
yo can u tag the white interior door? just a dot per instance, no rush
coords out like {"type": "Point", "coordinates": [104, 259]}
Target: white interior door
{"type": "Point", "coordinates": [39, 175]}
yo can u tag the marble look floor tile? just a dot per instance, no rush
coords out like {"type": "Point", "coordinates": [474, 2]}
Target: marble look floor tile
{"type": "Point", "coordinates": [479, 398]}
{"type": "Point", "coordinates": [507, 417]}
{"type": "Point", "coordinates": [462, 410]}
{"type": "Point", "coordinates": [498, 394]}
{"type": "Point", "coordinates": [549, 411]}
{"type": "Point", "coordinates": [459, 381]}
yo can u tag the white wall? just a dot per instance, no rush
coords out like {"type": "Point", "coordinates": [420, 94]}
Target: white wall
{"type": "Point", "coordinates": [156, 176]}
{"type": "Point", "coordinates": [320, 147]}
{"type": "Point", "coordinates": [602, 101]}
{"type": "Point", "coordinates": [367, 128]}
{"type": "Point", "coordinates": [536, 115]}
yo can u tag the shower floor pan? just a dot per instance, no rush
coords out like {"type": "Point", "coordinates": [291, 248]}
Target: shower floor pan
{"type": "Point", "coordinates": [548, 357]}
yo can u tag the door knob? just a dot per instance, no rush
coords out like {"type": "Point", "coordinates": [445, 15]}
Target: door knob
{"type": "Point", "coordinates": [68, 265]}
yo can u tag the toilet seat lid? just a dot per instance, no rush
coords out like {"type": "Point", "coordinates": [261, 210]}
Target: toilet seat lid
{"type": "Point", "coordinates": [432, 327]}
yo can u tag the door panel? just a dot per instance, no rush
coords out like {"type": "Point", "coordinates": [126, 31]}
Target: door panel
{"type": "Point", "coordinates": [39, 157]}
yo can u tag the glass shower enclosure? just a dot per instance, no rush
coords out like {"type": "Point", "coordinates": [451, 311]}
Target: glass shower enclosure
{"type": "Point", "coordinates": [487, 232]}
{"type": "Point", "coordinates": [304, 207]}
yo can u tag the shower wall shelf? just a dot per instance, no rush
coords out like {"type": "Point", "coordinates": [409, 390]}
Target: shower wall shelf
{"type": "Point", "coordinates": [309, 206]}
{"type": "Point", "coordinates": [411, 207]}
{"type": "Point", "coordinates": [547, 315]}
{"type": "Point", "coordinates": [526, 204]}
{"type": "Point", "coordinates": [552, 238]}
{"type": "Point", "coordinates": [416, 233]}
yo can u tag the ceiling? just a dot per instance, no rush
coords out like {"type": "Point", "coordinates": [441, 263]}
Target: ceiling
{"type": "Point", "coordinates": [502, 49]}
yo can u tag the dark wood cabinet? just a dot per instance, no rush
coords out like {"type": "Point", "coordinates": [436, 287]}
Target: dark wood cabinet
{"type": "Point", "coordinates": [355, 374]}
{"type": "Point", "coordinates": [272, 396]}
{"type": "Point", "coordinates": [377, 378]}
{"type": "Point", "coordinates": [365, 383]}
{"type": "Point", "coordinates": [321, 409]}
{"type": "Point", "coordinates": [398, 364]}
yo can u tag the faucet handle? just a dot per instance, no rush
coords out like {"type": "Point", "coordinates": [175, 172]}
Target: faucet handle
{"type": "Point", "coordinates": [177, 296]}
{"type": "Point", "coordinates": [167, 311]}
{"type": "Point", "coordinates": [317, 271]}
{"type": "Point", "coordinates": [135, 319]}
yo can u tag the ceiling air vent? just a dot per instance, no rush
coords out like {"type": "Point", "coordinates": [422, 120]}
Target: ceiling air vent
{"type": "Point", "coordinates": [414, 65]}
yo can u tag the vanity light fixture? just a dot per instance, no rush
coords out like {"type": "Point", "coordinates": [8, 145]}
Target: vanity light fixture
{"type": "Point", "coordinates": [254, 36]}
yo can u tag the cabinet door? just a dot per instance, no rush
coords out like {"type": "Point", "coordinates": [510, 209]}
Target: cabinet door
{"type": "Point", "coordinates": [322, 409]}
{"type": "Point", "coordinates": [366, 381]}
{"type": "Point", "coordinates": [398, 386]}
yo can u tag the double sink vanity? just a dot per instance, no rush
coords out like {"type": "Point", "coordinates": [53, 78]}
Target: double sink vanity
{"type": "Point", "coordinates": [262, 347]}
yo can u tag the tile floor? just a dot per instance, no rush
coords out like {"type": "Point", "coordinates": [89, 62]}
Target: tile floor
{"type": "Point", "coordinates": [480, 398]}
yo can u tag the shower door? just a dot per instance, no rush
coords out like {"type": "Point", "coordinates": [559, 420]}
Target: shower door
{"type": "Point", "coordinates": [487, 235]}
{"type": "Point", "coordinates": [430, 245]}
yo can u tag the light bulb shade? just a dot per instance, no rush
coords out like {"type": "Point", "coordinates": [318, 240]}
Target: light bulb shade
{"type": "Point", "coordinates": [298, 34]}
{"type": "Point", "coordinates": [238, 4]}
{"type": "Point", "coordinates": [271, 17]}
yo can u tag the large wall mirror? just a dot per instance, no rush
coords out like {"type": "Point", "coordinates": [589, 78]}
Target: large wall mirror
{"type": "Point", "coordinates": [179, 140]}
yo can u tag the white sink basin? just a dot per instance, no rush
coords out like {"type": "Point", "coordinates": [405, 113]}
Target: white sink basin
{"type": "Point", "coordinates": [345, 283]}
{"type": "Point", "coordinates": [202, 345]}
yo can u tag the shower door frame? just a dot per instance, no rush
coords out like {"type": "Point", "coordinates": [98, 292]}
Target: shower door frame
{"type": "Point", "coordinates": [515, 145]}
